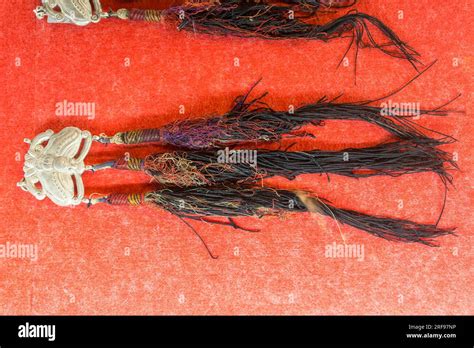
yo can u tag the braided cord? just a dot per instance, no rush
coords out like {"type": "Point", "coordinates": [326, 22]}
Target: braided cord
{"type": "Point", "coordinates": [129, 163]}
{"type": "Point", "coordinates": [145, 15]}
{"type": "Point", "coordinates": [157, 15]}
{"type": "Point", "coordinates": [137, 136]}
{"type": "Point", "coordinates": [133, 199]}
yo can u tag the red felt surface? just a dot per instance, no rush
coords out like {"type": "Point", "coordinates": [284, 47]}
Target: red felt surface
{"type": "Point", "coordinates": [109, 260]}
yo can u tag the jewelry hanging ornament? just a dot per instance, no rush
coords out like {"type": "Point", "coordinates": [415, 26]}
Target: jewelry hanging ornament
{"type": "Point", "coordinates": [54, 170]}
{"type": "Point", "coordinates": [247, 19]}
{"type": "Point", "coordinates": [224, 166]}
{"type": "Point", "coordinates": [253, 121]}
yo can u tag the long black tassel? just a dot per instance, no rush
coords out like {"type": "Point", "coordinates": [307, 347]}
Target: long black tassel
{"type": "Point", "coordinates": [253, 121]}
{"type": "Point", "coordinates": [204, 168]}
{"type": "Point", "coordinates": [261, 20]}
{"type": "Point", "coordinates": [249, 115]}
{"type": "Point", "coordinates": [199, 202]}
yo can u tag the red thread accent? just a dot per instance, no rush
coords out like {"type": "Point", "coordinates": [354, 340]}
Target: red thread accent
{"type": "Point", "coordinates": [118, 199]}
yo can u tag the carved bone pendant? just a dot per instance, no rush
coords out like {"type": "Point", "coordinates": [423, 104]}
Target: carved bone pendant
{"type": "Point", "coordinates": [54, 170]}
{"type": "Point", "coordinates": [79, 12]}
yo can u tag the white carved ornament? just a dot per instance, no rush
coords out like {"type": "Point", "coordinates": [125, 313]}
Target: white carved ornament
{"type": "Point", "coordinates": [54, 170]}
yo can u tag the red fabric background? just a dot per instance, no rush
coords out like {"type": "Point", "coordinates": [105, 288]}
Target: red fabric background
{"type": "Point", "coordinates": [83, 267]}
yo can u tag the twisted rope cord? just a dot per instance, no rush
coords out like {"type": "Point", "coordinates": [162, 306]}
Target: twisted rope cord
{"type": "Point", "coordinates": [129, 163]}
{"type": "Point", "coordinates": [137, 136]}
{"type": "Point", "coordinates": [145, 15]}
{"type": "Point", "coordinates": [133, 199]}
